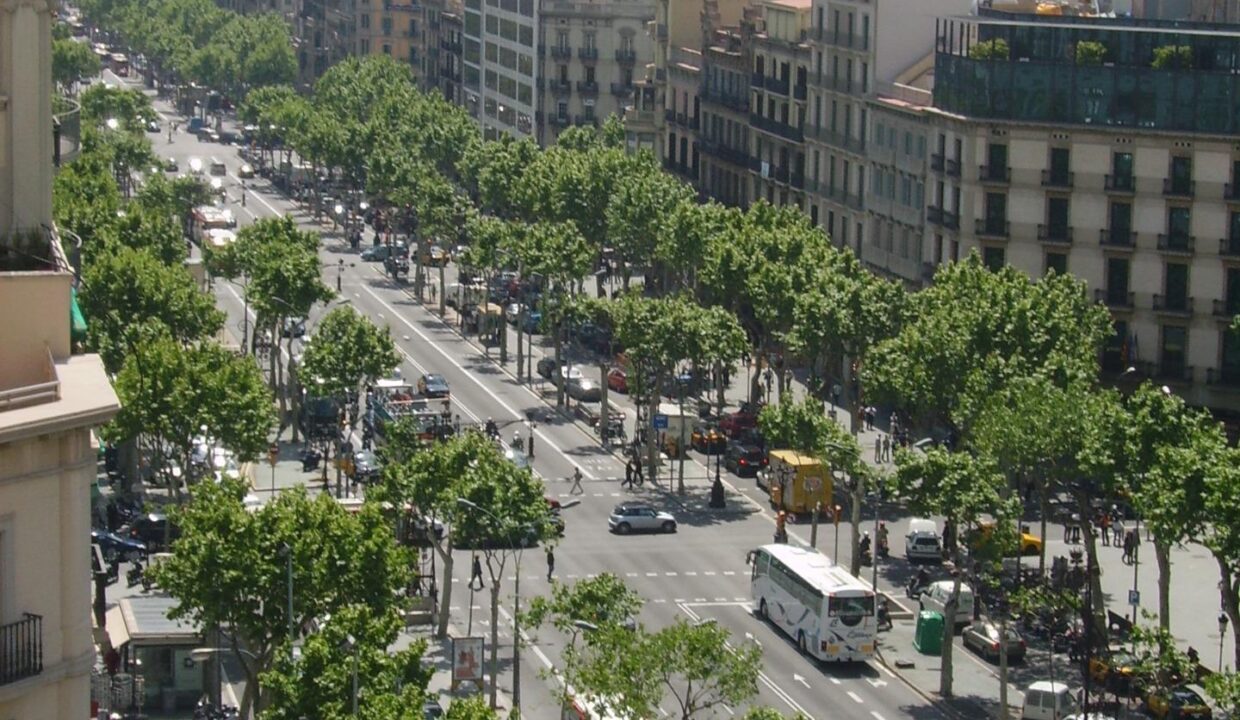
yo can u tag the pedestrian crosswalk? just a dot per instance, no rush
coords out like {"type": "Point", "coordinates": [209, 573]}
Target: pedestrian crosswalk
{"type": "Point", "coordinates": [628, 575]}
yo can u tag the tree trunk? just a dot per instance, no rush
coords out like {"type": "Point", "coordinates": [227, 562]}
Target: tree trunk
{"type": "Point", "coordinates": [1162, 553]}
{"type": "Point", "coordinates": [652, 437]}
{"type": "Point", "coordinates": [1093, 576]}
{"type": "Point", "coordinates": [1230, 601]}
{"type": "Point", "coordinates": [559, 355]}
{"type": "Point", "coordinates": [857, 487]}
{"type": "Point", "coordinates": [445, 555]}
{"type": "Point", "coordinates": [494, 641]}
{"type": "Point", "coordinates": [1044, 506]}
{"type": "Point", "coordinates": [1003, 667]}
{"type": "Point", "coordinates": [949, 631]}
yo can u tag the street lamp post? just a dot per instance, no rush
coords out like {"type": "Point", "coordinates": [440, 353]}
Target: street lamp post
{"type": "Point", "coordinates": [1222, 634]}
{"type": "Point", "coordinates": [716, 489]}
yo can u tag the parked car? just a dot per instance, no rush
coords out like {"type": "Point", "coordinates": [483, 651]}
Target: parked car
{"type": "Point", "coordinates": [745, 418]}
{"type": "Point", "coordinates": [618, 380]}
{"type": "Point", "coordinates": [1117, 671]}
{"type": "Point", "coordinates": [978, 538]}
{"type": "Point", "coordinates": [584, 389]}
{"type": "Point", "coordinates": [379, 253]}
{"type": "Point", "coordinates": [593, 337]}
{"type": "Point", "coordinates": [708, 439]}
{"type": "Point", "coordinates": [151, 530]}
{"type": "Point", "coordinates": [435, 256]}
{"type": "Point", "coordinates": [937, 594]}
{"type": "Point", "coordinates": [922, 542]}
{"type": "Point", "coordinates": [634, 516]}
{"type": "Point", "coordinates": [433, 385]}
{"type": "Point", "coordinates": [533, 322]}
{"type": "Point", "coordinates": [744, 460]}
{"type": "Point", "coordinates": [573, 372]}
{"type": "Point", "coordinates": [115, 547]}
{"type": "Point", "coordinates": [366, 467]}
{"type": "Point", "coordinates": [1178, 702]}
{"type": "Point", "coordinates": [983, 637]}
{"type": "Point", "coordinates": [246, 172]}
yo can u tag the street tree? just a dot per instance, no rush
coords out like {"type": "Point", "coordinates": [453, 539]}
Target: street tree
{"type": "Point", "coordinates": [1160, 662]}
{"type": "Point", "coordinates": [72, 61]}
{"type": "Point", "coordinates": [354, 642]}
{"type": "Point", "coordinates": [640, 204]}
{"type": "Point", "coordinates": [1221, 534]}
{"type": "Point", "coordinates": [1224, 689]}
{"type": "Point", "coordinates": [685, 236]}
{"type": "Point", "coordinates": [964, 489]}
{"type": "Point", "coordinates": [123, 287]}
{"type": "Point", "coordinates": [470, 708]}
{"type": "Point", "coordinates": [346, 352]}
{"type": "Point", "coordinates": [493, 169]}
{"type": "Point", "coordinates": [170, 392]}
{"type": "Point", "coordinates": [230, 570]}
{"type": "Point", "coordinates": [632, 672]}
{"type": "Point", "coordinates": [973, 331]}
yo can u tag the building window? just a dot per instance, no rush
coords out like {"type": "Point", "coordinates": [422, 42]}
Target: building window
{"type": "Point", "coordinates": [1120, 223]}
{"type": "Point", "coordinates": [1115, 351]}
{"type": "Point", "coordinates": [1175, 286]}
{"type": "Point", "coordinates": [365, 22]}
{"type": "Point", "coordinates": [561, 110]}
{"type": "Point", "coordinates": [561, 39]}
{"type": "Point", "coordinates": [387, 49]}
{"type": "Point", "coordinates": [1232, 301]}
{"type": "Point", "coordinates": [1181, 175]}
{"type": "Point", "coordinates": [1117, 281]}
{"type": "Point", "coordinates": [1178, 224]}
{"type": "Point", "coordinates": [1229, 367]}
{"type": "Point", "coordinates": [562, 72]}
{"type": "Point", "coordinates": [387, 26]}
{"type": "Point", "coordinates": [587, 40]}
{"type": "Point", "coordinates": [996, 162]}
{"type": "Point", "coordinates": [1172, 353]}
{"type": "Point", "coordinates": [1058, 262]}
{"type": "Point", "coordinates": [993, 258]}
{"type": "Point", "coordinates": [1121, 171]}
{"type": "Point", "coordinates": [1059, 173]}
{"type": "Point", "coordinates": [996, 213]}
{"type": "Point", "coordinates": [590, 74]}
{"type": "Point", "coordinates": [1233, 233]}
{"type": "Point", "coordinates": [1057, 218]}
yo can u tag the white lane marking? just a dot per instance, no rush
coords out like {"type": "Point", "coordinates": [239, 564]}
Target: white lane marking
{"type": "Point", "coordinates": [630, 574]}
{"type": "Point", "coordinates": [875, 714]}
{"type": "Point", "coordinates": [876, 683]}
{"type": "Point", "coordinates": [516, 415]}
{"type": "Point", "coordinates": [660, 601]}
{"type": "Point", "coordinates": [800, 679]}
{"type": "Point", "coordinates": [729, 572]}
{"type": "Point", "coordinates": [670, 574]}
{"type": "Point", "coordinates": [725, 707]}
{"type": "Point", "coordinates": [709, 573]}
{"type": "Point", "coordinates": [835, 681]}
{"type": "Point", "coordinates": [652, 574]}
{"type": "Point", "coordinates": [884, 669]}
{"type": "Point", "coordinates": [691, 573]}
{"type": "Point", "coordinates": [257, 197]}
{"type": "Point", "coordinates": [856, 698]}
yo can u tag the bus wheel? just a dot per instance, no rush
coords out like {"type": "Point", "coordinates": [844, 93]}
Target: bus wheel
{"type": "Point", "coordinates": [801, 643]}
{"type": "Point", "coordinates": [762, 611]}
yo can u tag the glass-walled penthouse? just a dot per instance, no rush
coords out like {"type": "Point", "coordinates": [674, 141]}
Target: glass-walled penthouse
{"type": "Point", "coordinates": [1098, 72]}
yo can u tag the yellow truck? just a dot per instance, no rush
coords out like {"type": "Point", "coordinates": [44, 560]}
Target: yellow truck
{"type": "Point", "coordinates": [796, 483]}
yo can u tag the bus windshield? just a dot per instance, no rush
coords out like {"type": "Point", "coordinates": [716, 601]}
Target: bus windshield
{"type": "Point", "coordinates": [850, 610]}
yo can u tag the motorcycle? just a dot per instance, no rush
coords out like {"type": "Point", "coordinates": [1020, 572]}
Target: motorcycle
{"type": "Point", "coordinates": [884, 615]}
{"type": "Point", "coordinates": [135, 575]}
{"type": "Point", "coordinates": [915, 586]}
{"type": "Point", "coordinates": [883, 549]}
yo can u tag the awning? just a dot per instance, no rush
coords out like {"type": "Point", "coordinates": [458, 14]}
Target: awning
{"type": "Point", "coordinates": [77, 321]}
{"type": "Point", "coordinates": [114, 624]}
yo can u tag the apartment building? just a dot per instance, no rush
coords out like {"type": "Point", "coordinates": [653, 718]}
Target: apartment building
{"type": "Point", "coordinates": [451, 35]}
{"type": "Point", "coordinates": [323, 32]}
{"type": "Point", "coordinates": [50, 400]}
{"type": "Point", "coordinates": [780, 58]}
{"type": "Point", "coordinates": [724, 124]}
{"type": "Point", "coordinates": [399, 30]}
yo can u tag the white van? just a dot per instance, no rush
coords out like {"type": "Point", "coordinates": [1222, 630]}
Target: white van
{"type": "Point", "coordinates": [1045, 700]}
{"type": "Point", "coordinates": [922, 542]}
{"type": "Point", "coordinates": [938, 593]}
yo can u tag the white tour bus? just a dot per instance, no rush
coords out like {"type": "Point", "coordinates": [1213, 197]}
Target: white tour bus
{"type": "Point", "coordinates": [829, 613]}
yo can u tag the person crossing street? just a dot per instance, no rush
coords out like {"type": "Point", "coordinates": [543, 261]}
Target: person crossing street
{"type": "Point", "coordinates": [550, 563]}
{"type": "Point", "coordinates": [576, 489]}
{"type": "Point", "coordinates": [476, 575]}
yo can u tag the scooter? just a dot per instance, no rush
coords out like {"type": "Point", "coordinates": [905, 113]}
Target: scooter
{"type": "Point", "coordinates": [135, 575]}
{"type": "Point", "coordinates": [915, 587]}
{"type": "Point", "coordinates": [884, 615]}
{"type": "Point", "coordinates": [883, 549]}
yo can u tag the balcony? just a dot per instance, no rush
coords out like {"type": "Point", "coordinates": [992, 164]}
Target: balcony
{"type": "Point", "coordinates": [1052, 179]}
{"type": "Point", "coordinates": [558, 120]}
{"type": "Point", "coordinates": [993, 174]}
{"type": "Point", "coordinates": [1229, 247]}
{"type": "Point", "coordinates": [992, 229]}
{"type": "Point", "coordinates": [452, 46]}
{"type": "Point", "coordinates": [848, 41]}
{"type": "Point", "coordinates": [756, 79]}
{"type": "Point", "coordinates": [1231, 192]}
{"type": "Point", "coordinates": [1125, 184]}
{"type": "Point", "coordinates": [561, 52]}
{"type": "Point", "coordinates": [1115, 300]}
{"type": "Point", "coordinates": [836, 139]}
{"type": "Point", "coordinates": [1174, 373]}
{"type": "Point", "coordinates": [1055, 234]}
{"type": "Point", "coordinates": [1178, 305]}
{"type": "Point", "coordinates": [21, 649]}
{"type": "Point", "coordinates": [1177, 244]}
{"type": "Point", "coordinates": [1225, 309]}
{"type": "Point", "coordinates": [1121, 239]}
{"type": "Point", "coordinates": [66, 130]}
{"type": "Point", "coordinates": [560, 87]}
{"type": "Point", "coordinates": [587, 87]}
{"type": "Point", "coordinates": [776, 85]}
{"type": "Point", "coordinates": [1179, 188]}
{"type": "Point", "coordinates": [621, 90]}
{"type": "Point", "coordinates": [797, 180]}
{"type": "Point", "coordinates": [1227, 376]}
{"type": "Point", "coordinates": [725, 153]}
{"type": "Point", "coordinates": [588, 53]}
{"type": "Point", "coordinates": [626, 56]}
{"type": "Point", "coordinates": [943, 218]}
{"type": "Point", "coordinates": [585, 120]}
{"type": "Point", "coordinates": [775, 127]}
{"type": "Point", "coordinates": [738, 103]}
{"type": "Point", "coordinates": [799, 92]}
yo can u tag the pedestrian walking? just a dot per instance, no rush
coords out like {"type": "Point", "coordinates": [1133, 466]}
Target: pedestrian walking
{"type": "Point", "coordinates": [878, 449]}
{"type": "Point", "coordinates": [1129, 546]}
{"type": "Point", "coordinates": [531, 444]}
{"type": "Point", "coordinates": [576, 489]}
{"type": "Point", "coordinates": [628, 474]}
{"type": "Point", "coordinates": [476, 576]}
{"type": "Point", "coordinates": [886, 448]}
{"type": "Point", "coordinates": [550, 563]}
{"type": "Point", "coordinates": [639, 476]}
{"type": "Point", "coordinates": [1075, 530]}
{"type": "Point", "coordinates": [1104, 526]}
{"type": "Point", "coordinates": [1118, 532]}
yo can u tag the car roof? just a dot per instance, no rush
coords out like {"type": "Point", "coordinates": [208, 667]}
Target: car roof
{"type": "Point", "coordinates": [634, 506]}
{"type": "Point", "coordinates": [433, 376]}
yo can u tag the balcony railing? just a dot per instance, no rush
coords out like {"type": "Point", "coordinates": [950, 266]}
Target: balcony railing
{"type": "Point", "coordinates": [587, 53]}
{"type": "Point", "coordinates": [1055, 234]}
{"type": "Point", "coordinates": [788, 132]}
{"type": "Point", "coordinates": [1177, 305]}
{"type": "Point", "coordinates": [1229, 247]}
{"type": "Point", "coordinates": [561, 52]}
{"type": "Point", "coordinates": [1120, 184]}
{"type": "Point", "coordinates": [723, 152]}
{"type": "Point", "coordinates": [799, 92]}
{"type": "Point", "coordinates": [994, 174]}
{"type": "Point", "coordinates": [1174, 372]}
{"type": "Point", "coordinates": [1179, 188]}
{"type": "Point", "coordinates": [66, 130]}
{"type": "Point", "coordinates": [1052, 179]}
{"type": "Point", "coordinates": [558, 120]}
{"type": "Point", "coordinates": [621, 90]}
{"type": "Point", "coordinates": [992, 228]}
{"type": "Point", "coordinates": [585, 120]}
{"type": "Point", "coordinates": [841, 140]}
{"type": "Point", "coordinates": [797, 180]}
{"type": "Point", "coordinates": [1117, 238]}
{"type": "Point", "coordinates": [1177, 243]}
{"type": "Point", "coordinates": [1223, 376]}
{"type": "Point", "coordinates": [21, 649]}
{"type": "Point", "coordinates": [776, 85]}
{"type": "Point", "coordinates": [626, 56]}
{"type": "Point", "coordinates": [560, 87]}
{"type": "Point", "coordinates": [1114, 300]}
{"type": "Point", "coordinates": [1225, 309]}
{"type": "Point", "coordinates": [739, 103]}
{"type": "Point", "coordinates": [945, 218]}
{"type": "Point", "coordinates": [586, 87]}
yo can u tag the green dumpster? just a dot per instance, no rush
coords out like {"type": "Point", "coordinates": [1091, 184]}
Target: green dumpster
{"type": "Point", "coordinates": [928, 636]}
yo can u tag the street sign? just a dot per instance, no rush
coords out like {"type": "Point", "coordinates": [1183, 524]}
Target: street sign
{"type": "Point", "coordinates": [1134, 597]}
{"type": "Point", "coordinates": [660, 422]}
{"type": "Point", "coordinates": [273, 454]}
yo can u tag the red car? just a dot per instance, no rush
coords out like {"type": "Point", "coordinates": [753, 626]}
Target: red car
{"type": "Point", "coordinates": [618, 380]}
{"type": "Point", "coordinates": [737, 422]}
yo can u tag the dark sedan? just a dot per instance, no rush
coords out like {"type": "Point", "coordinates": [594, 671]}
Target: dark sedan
{"type": "Point", "coordinates": [115, 547]}
{"type": "Point", "coordinates": [433, 385]}
{"type": "Point", "coordinates": [744, 460]}
{"type": "Point", "coordinates": [151, 530]}
{"type": "Point", "coordinates": [366, 467]}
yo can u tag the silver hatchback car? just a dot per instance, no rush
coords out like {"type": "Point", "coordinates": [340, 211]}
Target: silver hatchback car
{"type": "Point", "coordinates": [632, 516]}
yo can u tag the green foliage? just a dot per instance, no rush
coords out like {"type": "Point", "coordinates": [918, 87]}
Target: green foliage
{"type": "Point", "coordinates": [604, 601]}
{"type": "Point", "coordinates": [1090, 52]}
{"type": "Point", "coordinates": [348, 350]}
{"type": "Point", "coordinates": [846, 310]}
{"type": "Point", "coordinates": [102, 102]}
{"type": "Point", "coordinates": [1173, 57]}
{"type": "Point", "coordinates": [1224, 689]}
{"type": "Point", "coordinates": [974, 330]}
{"type": "Point", "coordinates": [658, 333]}
{"type": "Point", "coordinates": [124, 287]}
{"type": "Point", "coordinates": [799, 426]}
{"type": "Point", "coordinates": [282, 265]}
{"type": "Point", "coordinates": [639, 205]}
{"type": "Point", "coordinates": [169, 392]}
{"type": "Point", "coordinates": [71, 61]}
{"type": "Point", "coordinates": [996, 49]}
{"type": "Point", "coordinates": [693, 663]}
{"type": "Point", "coordinates": [391, 684]}
{"type": "Point", "coordinates": [470, 708]}
{"type": "Point", "coordinates": [228, 569]}
{"type": "Point", "coordinates": [1160, 662]}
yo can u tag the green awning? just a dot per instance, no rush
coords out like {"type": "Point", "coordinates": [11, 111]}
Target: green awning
{"type": "Point", "coordinates": [77, 321]}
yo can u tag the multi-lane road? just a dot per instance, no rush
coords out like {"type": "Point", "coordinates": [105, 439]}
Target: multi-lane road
{"type": "Point", "coordinates": [697, 573]}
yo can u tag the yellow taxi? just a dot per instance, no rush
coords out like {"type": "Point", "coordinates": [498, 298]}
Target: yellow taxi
{"type": "Point", "coordinates": [708, 439]}
{"type": "Point", "coordinates": [1117, 671]}
{"type": "Point", "coordinates": [1179, 702]}
{"type": "Point", "coordinates": [979, 537]}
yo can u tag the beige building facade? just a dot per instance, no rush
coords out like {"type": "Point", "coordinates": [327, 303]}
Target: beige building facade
{"type": "Point", "coordinates": [50, 401]}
